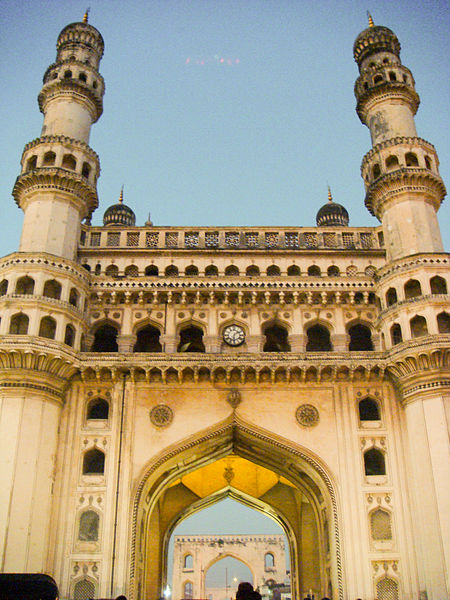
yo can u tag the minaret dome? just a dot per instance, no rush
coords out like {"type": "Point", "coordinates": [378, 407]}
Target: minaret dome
{"type": "Point", "coordinates": [119, 214]}
{"type": "Point", "coordinates": [332, 214]}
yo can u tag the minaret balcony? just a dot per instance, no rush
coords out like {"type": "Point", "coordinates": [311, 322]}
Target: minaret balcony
{"type": "Point", "coordinates": [76, 70]}
{"type": "Point", "coordinates": [75, 90]}
{"type": "Point", "coordinates": [386, 73]}
{"type": "Point", "coordinates": [382, 91]}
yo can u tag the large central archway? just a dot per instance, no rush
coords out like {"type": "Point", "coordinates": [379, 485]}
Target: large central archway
{"type": "Point", "coordinates": [171, 488]}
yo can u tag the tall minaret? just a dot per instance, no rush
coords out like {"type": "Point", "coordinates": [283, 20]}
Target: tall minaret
{"type": "Point", "coordinates": [57, 185]}
{"type": "Point", "coordinates": [403, 187]}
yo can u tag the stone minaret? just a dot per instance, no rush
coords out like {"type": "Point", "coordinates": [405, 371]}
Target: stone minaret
{"type": "Point", "coordinates": [43, 321]}
{"type": "Point", "coordinates": [57, 185]}
{"type": "Point", "coordinates": [404, 190]}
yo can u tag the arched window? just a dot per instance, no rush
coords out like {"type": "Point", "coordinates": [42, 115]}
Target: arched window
{"type": "Point", "coordinates": [412, 289]}
{"type": "Point", "coordinates": [86, 170]}
{"type": "Point", "coordinates": [69, 335]}
{"type": "Point", "coordinates": [98, 408]}
{"type": "Point", "coordinates": [387, 589]}
{"type": "Point", "coordinates": [113, 269]}
{"type": "Point", "coordinates": [188, 591]}
{"type": "Point", "coordinates": [86, 266]}
{"type": "Point", "coordinates": [368, 410]}
{"type": "Point", "coordinates": [47, 328]}
{"type": "Point", "coordinates": [411, 160]}
{"type": "Point", "coordinates": [314, 271]}
{"type": "Point", "coordinates": [110, 271]}
{"type": "Point", "coordinates": [171, 271]}
{"type": "Point", "coordinates": [31, 163]}
{"type": "Point", "coordinates": [3, 287]}
{"type": "Point", "coordinates": [438, 285]}
{"type": "Point", "coordinates": [377, 79]}
{"type": "Point", "coordinates": [105, 339]}
{"type": "Point", "coordinates": [276, 339]}
{"type": "Point", "coordinates": [252, 271]}
{"type": "Point", "coordinates": [318, 339]}
{"type": "Point", "coordinates": [392, 76]}
{"type": "Point", "coordinates": [191, 271]}
{"type": "Point", "coordinates": [376, 172]}
{"type": "Point", "coordinates": [232, 271]}
{"type": "Point", "coordinates": [131, 271]}
{"type": "Point", "coordinates": [49, 159]}
{"type": "Point", "coordinates": [380, 525]}
{"type": "Point", "coordinates": [148, 340]}
{"type": "Point", "coordinates": [188, 562]}
{"type": "Point", "coordinates": [391, 162]}
{"type": "Point", "coordinates": [84, 590]}
{"type": "Point", "coordinates": [19, 324]}
{"type": "Point", "coordinates": [82, 77]}
{"type": "Point", "coordinates": [273, 271]}
{"type": "Point", "coordinates": [69, 162]}
{"type": "Point", "coordinates": [396, 334]}
{"type": "Point", "coordinates": [443, 322]}
{"type": "Point", "coordinates": [94, 462]}
{"type": "Point", "coordinates": [88, 528]}
{"type": "Point", "coordinates": [151, 271]}
{"type": "Point", "coordinates": [74, 297]}
{"type": "Point", "coordinates": [391, 296]}
{"type": "Point", "coordinates": [52, 289]}
{"type": "Point", "coordinates": [333, 271]}
{"type": "Point", "coordinates": [418, 326]}
{"type": "Point", "coordinates": [25, 286]}
{"type": "Point", "coordinates": [293, 271]}
{"type": "Point", "coordinates": [67, 74]}
{"type": "Point", "coordinates": [427, 162]}
{"type": "Point", "coordinates": [360, 338]}
{"type": "Point", "coordinates": [269, 561]}
{"type": "Point", "coordinates": [374, 462]}
{"type": "Point", "coordinates": [191, 340]}
{"type": "Point", "coordinates": [211, 271]}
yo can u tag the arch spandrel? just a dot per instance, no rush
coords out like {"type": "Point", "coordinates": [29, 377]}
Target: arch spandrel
{"type": "Point", "coordinates": [234, 436]}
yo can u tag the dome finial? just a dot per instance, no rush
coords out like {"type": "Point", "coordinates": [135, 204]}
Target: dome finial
{"type": "Point", "coordinates": [121, 195]}
{"type": "Point", "coordinates": [86, 15]}
{"type": "Point", "coordinates": [330, 197]}
{"type": "Point", "coordinates": [369, 16]}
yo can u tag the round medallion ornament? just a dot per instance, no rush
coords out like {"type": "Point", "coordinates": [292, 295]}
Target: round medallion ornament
{"type": "Point", "coordinates": [161, 415]}
{"type": "Point", "coordinates": [307, 415]}
{"type": "Point", "coordinates": [233, 335]}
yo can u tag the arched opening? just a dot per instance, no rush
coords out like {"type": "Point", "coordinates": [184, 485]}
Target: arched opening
{"type": "Point", "coordinates": [392, 76]}
{"type": "Point", "coordinates": [191, 271]}
{"type": "Point", "coordinates": [131, 271]}
{"type": "Point", "coordinates": [249, 469]}
{"type": "Point", "coordinates": [113, 270]}
{"type": "Point", "coordinates": [97, 409]}
{"type": "Point", "coordinates": [412, 289]}
{"type": "Point", "coordinates": [151, 271]}
{"type": "Point", "coordinates": [276, 339]}
{"type": "Point", "coordinates": [391, 296]}
{"type": "Point", "coordinates": [273, 271]}
{"type": "Point", "coordinates": [226, 574]}
{"type": "Point", "coordinates": [110, 271]}
{"type": "Point", "coordinates": [86, 170]}
{"type": "Point", "coordinates": [252, 271]}
{"type": "Point", "coordinates": [84, 590]}
{"type": "Point", "coordinates": [293, 271]}
{"type": "Point", "coordinates": [19, 324]}
{"type": "Point", "coordinates": [211, 271]}
{"type": "Point", "coordinates": [368, 410]}
{"type": "Point", "coordinates": [191, 339]}
{"type": "Point", "coordinates": [69, 162]}
{"type": "Point", "coordinates": [387, 589]}
{"type": "Point", "coordinates": [333, 271]}
{"type": "Point", "coordinates": [3, 287]}
{"type": "Point", "coordinates": [25, 286]}
{"type": "Point", "coordinates": [318, 339]}
{"type": "Point", "coordinates": [376, 172]}
{"type": "Point", "coordinates": [269, 561]}
{"type": "Point", "coordinates": [171, 271]}
{"type": "Point", "coordinates": [188, 562]}
{"type": "Point", "coordinates": [94, 462]}
{"type": "Point", "coordinates": [105, 339]}
{"type": "Point", "coordinates": [360, 338]}
{"type": "Point", "coordinates": [418, 325]}
{"type": "Point", "coordinates": [47, 328]}
{"type": "Point", "coordinates": [314, 271]}
{"type": "Point", "coordinates": [69, 335]}
{"type": "Point", "coordinates": [438, 285]}
{"type": "Point", "coordinates": [89, 526]}
{"type": "Point", "coordinates": [82, 77]}
{"type": "Point", "coordinates": [74, 297]}
{"type": "Point", "coordinates": [428, 162]}
{"type": "Point", "coordinates": [378, 79]}
{"type": "Point", "coordinates": [396, 334]}
{"type": "Point", "coordinates": [188, 590]}
{"type": "Point", "coordinates": [411, 160]}
{"type": "Point", "coordinates": [231, 271]}
{"type": "Point", "coordinates": [443, 322]}
{"type": "Point", "coordinates": [67, 74]}
{"type": "Point", "coordinates": [148, 340]}
{"type": "Point", "coordinates": [380, 525]}
{"type": "Point", "coordinates": [391, 162]}
{"type": "Point", "coordinates": [31, 163]}
{"type": "Point", "coordinates": [52, 289]}
{"type": "Point", "coordinates": [49, 159]}
{"type": "Point", "coordinates": [374, 463]}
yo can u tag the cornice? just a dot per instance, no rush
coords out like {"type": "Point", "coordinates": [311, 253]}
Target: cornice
{"type": "Point", "coordinates": [65, 141]}
{"type": "Point", "coordinates": [387, 90]}
{"type": "Point", "coordinates": [39, 261]}
{"type": "Point", "coordinates": [404, 264]}
{"type": "Point", "coordinates": [417, 302]}
{"type": "Point", "coordinates": [396, 141]}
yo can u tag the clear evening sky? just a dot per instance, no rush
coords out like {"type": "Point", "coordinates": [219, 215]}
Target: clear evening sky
{"type": "Point", "coordinates": [250, 140]}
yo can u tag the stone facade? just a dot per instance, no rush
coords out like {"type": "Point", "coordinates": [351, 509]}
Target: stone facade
{"type": "Point", "coordinates": [147, 372]}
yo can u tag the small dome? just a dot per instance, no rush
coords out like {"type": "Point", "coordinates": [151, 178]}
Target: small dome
{"type": "Point", "coordinates": [119, 214]}
{"type": "Point", "coordinates": [332, 214]}
{"type": "Point", "coordinates": [375, 39]}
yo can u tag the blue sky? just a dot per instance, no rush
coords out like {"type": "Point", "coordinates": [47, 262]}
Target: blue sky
{"type": "Point", "coordinates": [253, 142]}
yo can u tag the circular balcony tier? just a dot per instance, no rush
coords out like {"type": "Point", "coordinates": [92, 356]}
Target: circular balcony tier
{"type": "Point", "coordinates": [75, 89]}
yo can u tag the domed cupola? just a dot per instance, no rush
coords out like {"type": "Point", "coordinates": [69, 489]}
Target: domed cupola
{"type": "Point", "coordinates": [119, 214]}
{"type": "Point", "coordinates": [332, 214]}
{"type": "Point", "coordinates": [373, 40]}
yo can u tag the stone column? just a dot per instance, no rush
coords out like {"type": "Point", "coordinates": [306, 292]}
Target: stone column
{"type": "Point", "coordinates": [298, 342]}
{"type": "Point", "coordinates": [126, 342]}
{"type": "Point", "coordinates": [340, 342]}
{"type": "Point", "coordinates": [255, 343]}
{"type": "Point", "coordinates": [169, 343]}
{"type": "Point", "coordinates": [212, 343]}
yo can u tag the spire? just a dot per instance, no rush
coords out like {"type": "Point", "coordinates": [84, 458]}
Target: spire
{"type": "Point", "coordinates": [121, 195]}
{"type": "Point", "coordinates": [330, 197]}
{"type": "Point", "coordinates": [369, 16]}
{"type": "Point", "coordinates": [86, 15]}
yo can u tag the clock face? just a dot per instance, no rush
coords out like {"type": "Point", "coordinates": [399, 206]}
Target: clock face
{"type": "Point", "coordinates": [233, 335]}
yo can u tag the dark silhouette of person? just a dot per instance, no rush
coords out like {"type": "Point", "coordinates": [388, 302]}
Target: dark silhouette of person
{"type": "Point", "coordinates": [121, 598]}
{"type": "Point", "coordinates": [254, 595]}
{"type": "Point", "coordinates": [244, 589]}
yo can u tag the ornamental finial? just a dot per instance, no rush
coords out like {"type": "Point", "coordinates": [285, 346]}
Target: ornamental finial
{"type": "Point", "coordinates": [121, 195]}
{"type": "Point", "coordinates": [86, 15]}
{"type": "Point", "coordinates": [369, 16]}
{"type": "Point", "coordinates": [330, 197]}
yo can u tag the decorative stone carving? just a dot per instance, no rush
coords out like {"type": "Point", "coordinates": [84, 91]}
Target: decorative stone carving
{"type": "Point", "coordinates": [161, 415]}
{"type": "Point", "coordinates": [307, 415]}
{"type": "Point", "coordinates": [234, 398]}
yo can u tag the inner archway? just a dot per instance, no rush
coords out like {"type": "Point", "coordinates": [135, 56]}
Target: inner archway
{"type": "Point", "coordinates": [251, 465]}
